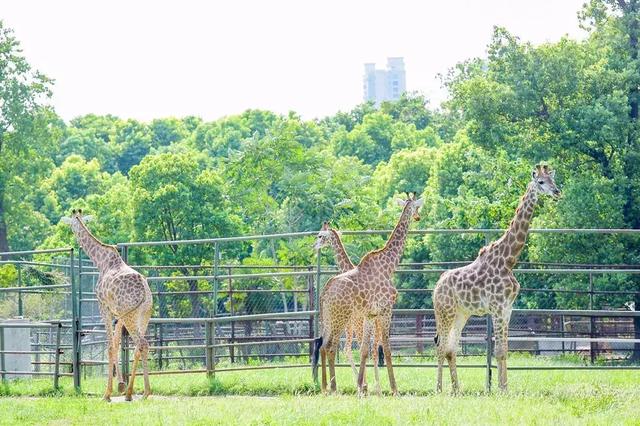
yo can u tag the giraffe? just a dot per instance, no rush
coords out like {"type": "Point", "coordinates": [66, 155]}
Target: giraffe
{"type": "Point", "coordinates": [330, 237]}
{"type": "Point", "coordinates": [487, 285]}
{"type": "Point", "coordinates": [122, 294]}
{"type": "Point", "coordinates": [368, 291]}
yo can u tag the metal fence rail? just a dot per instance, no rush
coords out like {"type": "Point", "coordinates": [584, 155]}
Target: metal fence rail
{"type": "Point", "coordinates": [221, 316]}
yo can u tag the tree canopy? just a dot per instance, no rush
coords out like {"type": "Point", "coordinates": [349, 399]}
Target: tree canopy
{"type": "Point", "coordinates": [571, 103]}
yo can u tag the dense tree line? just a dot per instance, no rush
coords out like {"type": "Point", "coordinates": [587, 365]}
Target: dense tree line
{"type": "Point", "coordinates": [571, 103]}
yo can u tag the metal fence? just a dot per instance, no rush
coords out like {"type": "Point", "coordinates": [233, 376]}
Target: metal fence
{"type": "Point", "coordinates": [224, 315]}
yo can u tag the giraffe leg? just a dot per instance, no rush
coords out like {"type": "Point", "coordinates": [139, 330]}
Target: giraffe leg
{"type": "Point", "coordinates": [133, 325]}
{"type": "Point", "coordinates": [134, 366]}
{"type": "Point", "coordinates": [452, 348]}
{"type": "Point", "coordinates": [323, 356]}
{"type": "Point", "coordinates": [107, 318]}
{"type": "Point", "coordinates": [333, 351]}
{"type": "Point", "coordinates": [360, 327]}
{"type": "Point", "coordinates": [377, 338]}
{"type": "Point", "coordinates": [444, 315]}
{"type": "Point", "coordinates": [501, 326]}
{"type": "Point", "coordinates": [117, 336]}
{"type": "Point", "coordinates": [386, 348]}
{"type": "Point", "coordinates": [145, 351]}
{"type": "Point", "coordinates": [440, 355]}
{"type": "Point", "coordinates": [349, 350]}
{"type": "Point", "coordinates": [364, 353]}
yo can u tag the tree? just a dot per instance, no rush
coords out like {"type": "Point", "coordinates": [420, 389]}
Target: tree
{"type": "Point", "coordinates": [132, 142]}
{"type": "Point", "coordinates": [24, 125]}
{"type": "Point", "coordinates": [178, 197]}
{"type": "Point", "coordinates": [410, 108]}
{"type": "Point", "coordinates": [76, 179]}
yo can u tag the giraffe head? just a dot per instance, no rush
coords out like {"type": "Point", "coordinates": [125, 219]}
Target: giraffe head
{"type": "Point", "coordinates": [77, 220]}
{"type": "Point", "coordinates": [324, 236]}
{"type": "Point", "coordinates": [543, 180]}
{"type": "Point", "coordinates": [412, 203]}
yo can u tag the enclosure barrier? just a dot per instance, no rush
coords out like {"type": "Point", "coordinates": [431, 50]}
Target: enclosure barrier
{"type": "Point", "coordinates": [217, 342]}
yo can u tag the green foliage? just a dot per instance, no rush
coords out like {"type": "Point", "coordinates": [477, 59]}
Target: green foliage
{"type": "Point", "coordinates": [8, 275]}
{"type": "Point", "coordinates": [571, 103]}
{"type": "Point", "coordinates": [27, 139]}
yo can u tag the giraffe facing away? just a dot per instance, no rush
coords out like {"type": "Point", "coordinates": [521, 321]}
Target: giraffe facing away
{"type": "Point", "coordinates": [487, 285]}
{"type": "Point", "coordinates": [368, 291]}
{"type": "Point", "coordinates": [123, 294]}
{"type": "Point", "coordinates": [330, 237]}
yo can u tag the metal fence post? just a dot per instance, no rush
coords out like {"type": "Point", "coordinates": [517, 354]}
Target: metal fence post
{"type": "Point", "coordinates": [20, 308]}
{"type": "Point", "coordinates": [2, 364]}
{"type": "Point", "coordinates": [233, 312]}
{"type": "Point", "coordinates": [56, 370]}
{"type": "Point", "coordinates": [310, 296]}
{"type": "Point", "coordinates": [487, 239]}
{"type": "Point", "coordinates": [212, 332]}
{"type": "Point", "coordinates": [216, 267]}
{"type": "Point", "coordinates": [160, 343]}
{"type": "Point", "coordinates": [208, 348]}
{"type": "Point", "coordinates": [74, 323]}
{"type": "Point", "coordinates": [80, 304]}
{"type": "Point", "coordinates": [592, 322]}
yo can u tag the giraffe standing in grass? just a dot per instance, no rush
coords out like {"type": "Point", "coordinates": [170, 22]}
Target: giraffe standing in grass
{"type": "Point", "coordinates": [330, 237]}
{"type": "Point", "coordinates": [122, 294]}
{"type": "Point", "coordinates": [487, 285]}
{"type": "Point", "coordinates": [367, 291]}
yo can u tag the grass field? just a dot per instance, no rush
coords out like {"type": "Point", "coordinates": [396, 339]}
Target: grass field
{"type": "Point", "coordinates": [290, 397]}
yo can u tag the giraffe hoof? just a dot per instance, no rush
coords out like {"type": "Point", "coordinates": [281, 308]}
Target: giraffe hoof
{"type": "Point", "coordinates": [121, 387]}
{"type": "Point", "coordinates": [128, 397]}
{"type": "Point", "coordinates": [106, 398]}
{"type": "Point", "coordinates": [146, 395]}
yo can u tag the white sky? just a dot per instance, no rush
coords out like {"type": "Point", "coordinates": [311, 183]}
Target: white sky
{"type": "Point", "coordinates": [152, 59]}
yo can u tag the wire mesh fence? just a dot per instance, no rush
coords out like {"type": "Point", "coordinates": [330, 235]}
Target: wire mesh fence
{"type": "Point", "coordinates": [216, 311]}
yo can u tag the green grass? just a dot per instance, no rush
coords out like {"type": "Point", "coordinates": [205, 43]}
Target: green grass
{"type": "Point", "coordinates": [290, 397]}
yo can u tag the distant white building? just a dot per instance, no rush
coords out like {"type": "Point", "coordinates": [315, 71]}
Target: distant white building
{"type": "Point", "coordinates": [384, 85]}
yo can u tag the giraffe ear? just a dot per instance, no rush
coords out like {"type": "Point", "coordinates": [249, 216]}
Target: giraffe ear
{"type": "Point", "coordinates": [87, 218]}
{"type": "Point", "coordinates": [400, 202]}
{"type": "Point", "coordinates": [533, 174]}
{"type": "Point", "coordinates": [419, 202]}
{"type": "Point", "coordinates": [552, 174]}
{"type": "Point", "coordinates": [67, 220]}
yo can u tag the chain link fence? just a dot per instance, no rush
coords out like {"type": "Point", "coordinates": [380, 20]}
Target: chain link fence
{"type": "Point", "coordinates": [220, 312]}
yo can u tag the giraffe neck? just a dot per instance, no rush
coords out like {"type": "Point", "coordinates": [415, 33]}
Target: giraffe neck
{"type": "Point", "coordinates": [388, 257]}
{"type": "Point", "coordinates": [102, 255]}
{"type": "Point", "coordinates": [342, 258]}
{"type": "Point", "coordinates": [512, 242]}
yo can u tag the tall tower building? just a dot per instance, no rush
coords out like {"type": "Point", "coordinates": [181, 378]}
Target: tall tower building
{"type": "Point", "coordinates": [384, 85]}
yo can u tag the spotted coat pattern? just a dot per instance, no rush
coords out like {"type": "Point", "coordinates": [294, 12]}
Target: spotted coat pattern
{"type": "Point", "coordinates": [486, 286]}
{"type": "Point", "coordinates": [355, 326]}
{"type": "Point", "coordinates": [367, 291]}
{"type": "Point", "coordinates": [123, 294]}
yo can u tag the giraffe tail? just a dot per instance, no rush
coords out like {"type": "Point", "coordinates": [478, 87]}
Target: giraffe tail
{"type": "Point", "coordinates": [436, 339]}
{"type": "Point", "coordinates": [317, 344]}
